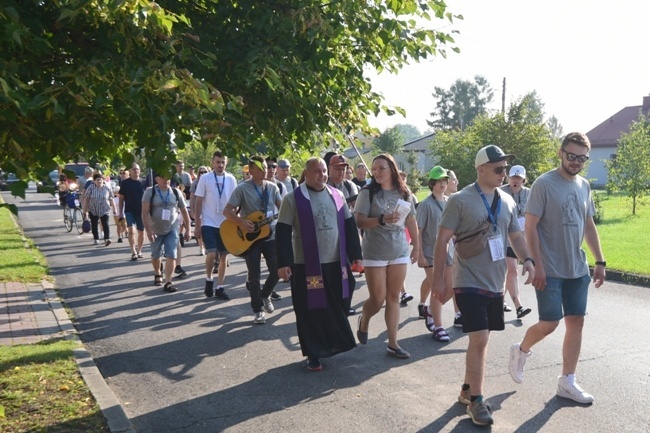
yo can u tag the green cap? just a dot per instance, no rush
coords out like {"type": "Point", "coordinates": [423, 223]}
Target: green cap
{"type": "Point", "coordinates": [437, 173]}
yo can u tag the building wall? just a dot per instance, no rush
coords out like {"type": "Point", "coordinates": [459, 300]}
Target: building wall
{"type": "Point", "coordinates": [597, 171]}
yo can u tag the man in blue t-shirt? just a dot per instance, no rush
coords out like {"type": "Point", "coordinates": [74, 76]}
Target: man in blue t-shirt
{"type": "Point", "coordinates": [130, 207]}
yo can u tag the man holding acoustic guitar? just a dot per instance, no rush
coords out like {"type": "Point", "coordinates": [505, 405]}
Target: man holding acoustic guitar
{"type": "Point", "coordinates": [252, 235]}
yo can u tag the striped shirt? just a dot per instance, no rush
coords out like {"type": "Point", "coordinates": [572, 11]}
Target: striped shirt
{"type": "Point", "coordinates": [98, 199]}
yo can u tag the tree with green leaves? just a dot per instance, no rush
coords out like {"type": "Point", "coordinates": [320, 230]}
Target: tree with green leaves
{"type": "Point", "coordinates": [390, 141]}
{"type": "Point", "coordinates": [458, 106]}
{"type": "Point", "coordinates": [630, 170]}
{"type": "Point", "coordinates": [519, 131]}
{"type": "Point", "coordinates": [408, 132]}
{"type": "Point", "coordinates": [102, 80]}
{"type": "Point", "coordinates": [413, 175]}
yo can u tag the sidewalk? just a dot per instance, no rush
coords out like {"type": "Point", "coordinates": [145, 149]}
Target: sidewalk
{"type": "Point", "coordinates": [30, 313]}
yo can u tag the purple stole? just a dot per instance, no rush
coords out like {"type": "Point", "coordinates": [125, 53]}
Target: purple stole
{"type": "Point", "coordinates": [315, 285]}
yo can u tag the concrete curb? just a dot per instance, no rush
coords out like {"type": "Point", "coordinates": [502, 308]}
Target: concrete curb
{"type": "Point", "coordinates": [118, 421]}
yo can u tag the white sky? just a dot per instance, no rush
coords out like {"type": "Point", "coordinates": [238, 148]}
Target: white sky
{"type": "Point", "coordinates": [585, 59]}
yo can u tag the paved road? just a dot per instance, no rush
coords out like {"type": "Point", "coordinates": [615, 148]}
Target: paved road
{"type": "Point", "coordinates": [183, 363]}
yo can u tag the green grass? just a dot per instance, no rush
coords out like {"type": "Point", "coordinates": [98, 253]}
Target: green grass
{"type": "Point", "coordinates": [625, 238]}
{"type": "Point", "coordinates": [41, 390]}
{"type": "Point", "coordinates": [20, 261]}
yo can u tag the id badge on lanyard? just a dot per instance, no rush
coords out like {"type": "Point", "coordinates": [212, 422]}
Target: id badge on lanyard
{"type": "Point", "coordinates": [497, 251]}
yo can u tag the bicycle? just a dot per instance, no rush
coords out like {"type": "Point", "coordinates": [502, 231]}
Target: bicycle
{"type": "Point", "coordinates": [72, 215]}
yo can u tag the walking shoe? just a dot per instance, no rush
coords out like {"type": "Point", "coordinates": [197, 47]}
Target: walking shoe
{"type": "Point", "coordinates": [506, 308]}
{"type": "Point", "coordinates": [439, 334]}
{"type": "Point", "coordinates": [521, 312]}
{"type": "Point", "coordinates": [169, 287]}
{"type": "Point", "coordinates": [405, 298]}
{"type": "Point", "coordinates": [361, 336]}
{"type": "Point", "coordinates": [313, 364]}
{"type": "Point", "coordinates": [119, 240]}
{"type": "Point", "coordinates": [180, 272]}
{"type": "Point", "coordinates": [268, 305]}
{"type": "Point", "coordinates": [458, 321]}
{"type": "Point", "coordinates": [220, 293]}
{"type": "Point", "coordinates": [209, 288]}
{"type": "Point", "coordinates": [464, 397]}
{"type": "Point", "coordinates": [259, 318]}
{"type": "Point", "coordinates": [398, 353]}
{"type": "Point", "coordinates": [517, 362]}
{"type": "Point", "coordinates": [571, 390]}
{"type": "Point", "coordinates": [421, 311]}
{"type": "Point", "coordinates": [107, 242]}
{"type": "Point", "coordinates": [96, 242]}
{"type": "Point", "coordinates": [275, 296]}
{"type": "Point", "coordinates": [479, 412]}
{"type": "Point", "coordinates": [428, 319]}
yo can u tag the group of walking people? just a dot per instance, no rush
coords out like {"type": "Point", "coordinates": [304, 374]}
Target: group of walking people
{"type": "Point", "coordinates": [469, 243]}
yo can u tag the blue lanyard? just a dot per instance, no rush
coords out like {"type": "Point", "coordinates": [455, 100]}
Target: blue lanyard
{"type": "Point", "coordinates": [221, 187]}
{"type": "Point", "coordinates": [491, 215]}
{"type": "Point", "coordinates": [263, 195]}
{"type": "Point", "coordinates": [164, 200]}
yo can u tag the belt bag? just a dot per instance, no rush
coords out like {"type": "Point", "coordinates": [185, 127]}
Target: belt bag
{"type": "Point", "coordinates": [473, 242]}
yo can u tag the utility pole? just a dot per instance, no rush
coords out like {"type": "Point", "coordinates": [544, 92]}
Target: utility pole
{"type": "Point", "coordinates": [503, 97]}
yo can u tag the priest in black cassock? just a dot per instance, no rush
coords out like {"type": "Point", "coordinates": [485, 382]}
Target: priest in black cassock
{"type": "Point", "coordinates": [317, 240]}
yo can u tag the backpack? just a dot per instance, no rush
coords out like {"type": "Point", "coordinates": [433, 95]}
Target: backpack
{"type": "Point", "coordinates": [153, 193]}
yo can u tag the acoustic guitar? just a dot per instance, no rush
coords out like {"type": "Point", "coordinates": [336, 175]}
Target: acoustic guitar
{"type": "Point", "coordinates": [237, 241]}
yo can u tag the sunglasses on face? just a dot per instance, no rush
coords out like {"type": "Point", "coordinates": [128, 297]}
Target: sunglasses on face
{"type": "Point", "coordinates": [572, 157]}
{"type": "Point", "coordinates": [272, 166]}
{"type": "Point", "coordinates": [202, 172]}
{"type": "Point", "coordinates": [499, 170]}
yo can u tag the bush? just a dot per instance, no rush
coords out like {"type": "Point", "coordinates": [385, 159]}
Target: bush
{"type": "Point", "coordinates": [599, 214]}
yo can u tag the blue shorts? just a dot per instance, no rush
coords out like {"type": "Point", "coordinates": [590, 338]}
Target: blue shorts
{"type": "Point", "coordinates": [563, 297]}
{"type": "Point", "coordinates": [165, 244]}
{"type": "Point", "coordinates": [212, 240]}
{"type": "Point", "coordinates": [134, 220]}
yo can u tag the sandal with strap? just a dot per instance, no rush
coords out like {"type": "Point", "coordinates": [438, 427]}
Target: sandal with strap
{"type": "Point", "coordinates": [157, 280]}
{"type": "Point", "coordinates": [169, 287]}
{"type": "Point", "coordinates": [440, 335]}
{"type": "Point", "coordinates": [134, 256]}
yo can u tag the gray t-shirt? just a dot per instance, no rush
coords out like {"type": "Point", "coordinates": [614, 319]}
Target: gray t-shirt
{"type": "Point", "coordinates": [252, 198]}
{"type": "Point", "coordinates": [428, 218]}
{"type": "Point", "coordinates": [163, 200]}
{"type": "Point", "coordinates": [386, 242]}
{"type": "Point", "coordinates": [465, 211]}
{"type": "Point", "coordinates": [563, 207]}
{"type": "Point", "coordinates": [327, 230]}
{"type": "Point", "coordinates": [348, 191]}
{"type": "Point", "coordinates": [520, 198]}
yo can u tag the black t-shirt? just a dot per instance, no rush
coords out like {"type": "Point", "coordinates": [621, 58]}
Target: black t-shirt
{"type": "Point", "coordinates": [132, 190]}
{"type": "Point", "coordinates": [359, 183]}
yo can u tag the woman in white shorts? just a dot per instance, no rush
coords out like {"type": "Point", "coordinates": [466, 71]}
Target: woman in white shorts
{"type": "Point", "coordinates": [385, 249]}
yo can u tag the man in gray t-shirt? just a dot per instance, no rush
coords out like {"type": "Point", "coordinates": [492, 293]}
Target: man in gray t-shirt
{"type": "Point", "coordinates": [479, 278]}
{"type": "Point", "coordinates": [559, 216]}
{"type": "Point", "coordinates": [259, 197]}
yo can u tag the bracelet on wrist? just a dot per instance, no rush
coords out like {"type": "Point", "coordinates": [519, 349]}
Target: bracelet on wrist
{"type": "Point", "coordinates": [381, 220]}
{"type": "Point", "coordinates": [528, 259]}
{"type": "Point", "coordinates": [602, 263]}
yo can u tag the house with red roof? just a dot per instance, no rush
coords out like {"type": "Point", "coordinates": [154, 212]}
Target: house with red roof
{"type": "Point", "coordinates": [604, 140]}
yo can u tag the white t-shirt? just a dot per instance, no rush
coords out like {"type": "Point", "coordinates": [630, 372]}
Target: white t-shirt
{"type": "Point", "coordinates": [216, 191]}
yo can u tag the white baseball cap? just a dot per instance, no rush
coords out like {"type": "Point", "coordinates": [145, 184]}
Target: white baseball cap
{"type": "Point", "coordinates": [517, 170]}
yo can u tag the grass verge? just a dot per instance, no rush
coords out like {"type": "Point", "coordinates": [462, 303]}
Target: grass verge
{"type": "Point", "coordinates": [41, 389]}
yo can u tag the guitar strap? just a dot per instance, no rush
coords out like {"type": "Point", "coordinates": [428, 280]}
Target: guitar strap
{"type": "Point", "coordinates": [316, 297]}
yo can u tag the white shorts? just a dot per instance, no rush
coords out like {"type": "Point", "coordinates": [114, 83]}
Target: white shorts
{"type": "Point", "coordinates": [384, 263]}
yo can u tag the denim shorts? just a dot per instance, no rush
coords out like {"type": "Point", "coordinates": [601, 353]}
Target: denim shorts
{"type": "Point", "coordinates": [134, 220]}
{"type": "Point", "coordinates": [563, 297]}
{"type": "Point", "coordinates": [212, 240]}
{"type": "Point", "coordinates": [166, 244]}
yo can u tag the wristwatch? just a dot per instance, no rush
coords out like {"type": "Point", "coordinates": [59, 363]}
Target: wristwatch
{"type": "Point", "coordinates": [528, 259]}
{"type": "Point", "coordinates": [381, 220]}
{"type": "Point", "coordinates": [602, 263]}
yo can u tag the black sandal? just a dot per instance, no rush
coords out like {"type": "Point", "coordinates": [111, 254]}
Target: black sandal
{"type": "Point", "coordinates": [157, 280]}
{"type": "Point", "coordinates": [169, 287]}
{"type": "Point", "coordinates": [134, 256]}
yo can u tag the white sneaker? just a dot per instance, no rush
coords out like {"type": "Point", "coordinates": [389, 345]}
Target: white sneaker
{"type": "Point", "coordinates": [517, 362]}
{"type": "Point", "coordinates": [268, 305]}
{"type": "Point", "coordinates": [259, 318]}
{"type": "Point", "coordinates": [572, 391]}
{"type": "Point", "coordinates": [96, 242]}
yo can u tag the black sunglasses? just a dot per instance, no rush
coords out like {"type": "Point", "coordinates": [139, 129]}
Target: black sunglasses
{"type": "Point", "coordinates": [499, 170]}
{"type": "Point", "coordinates": [272, 166]}
{"type": "Point", "coordinates": [572, 157]}
{"type": "Point", "coordinates": [202, 172]}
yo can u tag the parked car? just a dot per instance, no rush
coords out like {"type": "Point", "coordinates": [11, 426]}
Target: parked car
{"type": "Point", "coordinates": [7, 180]}
{"type": "Point", "coordinates": [50, 183]}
